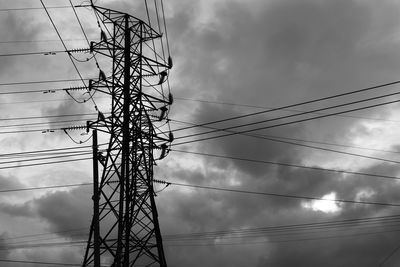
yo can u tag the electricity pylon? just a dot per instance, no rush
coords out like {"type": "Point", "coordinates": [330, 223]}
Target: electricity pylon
{"type": "Point", "coordinates": [125, 229]}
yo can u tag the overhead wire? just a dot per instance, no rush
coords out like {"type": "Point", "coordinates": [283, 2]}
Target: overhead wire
{"type": "Point", "coordinates": [31, 8]}
{"type": "Point", "coordinates": [284, 140]}
{"type": "Point", "coordinates": [300, 104]}
{"type": "Point", "coordinates": [84, 33]}
{"type": "Point", "coordinates": [288, 164]}
{"type": "Point", "coordinates": [43, 151]}
{"type": "Point", "coordinates": [244, 234]}
{"type": "Point", "coordinates": [269, 108]}
{"type": "Point", "coordinates": [165, 27]}
{"type": "Point", "coordinates": [42, 123]}
{"type": "Point", "coordinates": [43, 163]}
{"type": "Point", "coordinates": [43, 187]}
{"type": "Point", "coordinates": [39, 262]}
{"type": "Point", "coordinates": [242, 242]}
{"type": "Point", "coordinates": [40, 82]}
{"type": "Point", "coordinates": [49, 116]}
{"type": "Point", "coordinates": [304, 113]}
{"type": "Point", "coordinates": [285, 123]}
{"type": "Point", "coordinates": [45, 158]}
{"type": "Point", "coordinates": [345, 224]}
{"type": "Point", "coordinates": [45, 53]}
{"type": "Point", "coordinates": [271, 194]}
{"type": "Point", "coordinates": [39, 41]}
{"type": "Point", "coordinates": [65, 47]}
{"type": "Point", "coordinates": [273, 138]}
{"type": "Point", "coordinates": [389, 256]}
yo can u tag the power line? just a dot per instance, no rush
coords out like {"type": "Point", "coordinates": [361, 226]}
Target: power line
{"type": "Point", "coordinates": [282, 140]}
{"type": "Point", "coordinates": [43, 187]}
{"type": "Point", "coordinates": [288, 164]}
{"type": "Point", "coordinates": [299, 114]}
{"type": "Point", "coordinates": [301, 103]}
{"type": "Point", "coordinates": [46, 158]}
{"type": "Point", "coordinates": [387, 258]}
{"type": "Point", "coordinates": [43, 151]}
{"type": "Point", "coordinates": [49, 116]}
{"type": "Point", "coordinates": [39, 262]}
{"type": "Point", "coordinates": [65, 47]}
{"type": "Point", "coordinates": [39, 41]}
{"type": "Point", "coordinates": [277, 194]}
{"type": "Point", "coordinates": [42, 123]}
{"type": "Point", "coordinates": [31, 8]}
{"type": "Point", "coordinates": [285, 123]}
{"type": "Point", "coordinates": [269, 108]}
{"type": "Point", "coordinates": [45, 53]}
{"type": "Point", "coordinates": [241, 243]}
{"type": "Point", "coordinates": [348, 224]}
{"type": "Point", "coordinates": [36, 101]}
{"type": "Point", "coordinates": [43, 163]}
{"type": "Point", "coordinates": [39, 82]}
{"type": "Point", "coordinates": [43, 91]}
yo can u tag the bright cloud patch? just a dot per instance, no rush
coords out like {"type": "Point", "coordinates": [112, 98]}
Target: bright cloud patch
{"type": "Point", "coordinates": [327, 206]}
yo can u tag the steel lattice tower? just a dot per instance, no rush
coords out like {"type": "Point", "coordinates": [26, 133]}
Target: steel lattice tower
{"type": "Point", "coordinates": [125, 229]}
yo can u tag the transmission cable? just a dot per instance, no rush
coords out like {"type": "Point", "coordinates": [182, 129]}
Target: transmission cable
{"type": "Point", "coordinates": [43, 187]}
{"type": "Point", "coordinates": [39, 82]}
{"type": "Point", "coordinates": [40, 263]}
{"type": "Point", "coordinates": [49, 116]}
{"type": "Point", "coordinates": [44, 163]}
{"type": "Point", "coordinates": [279, 140]}
{"type": "Point", "coordinates": [391, 254]}
{"type": "Point", "coordinates": [297, 114]}
{"type": "Point", "coordinates": [65, 47]}
{"type": "Point", "coordinates": [286, 123]}
{"type": "Point", "coordinates": [299, 104]}
{"type": "Point", "coordinates": [288, 164]}
{"type": "Point", "coordinates": [39, 41]}
{"type": "Point", "coordinates": [277, 194]}
{"type": "Point", "coordinates": [269, 108]}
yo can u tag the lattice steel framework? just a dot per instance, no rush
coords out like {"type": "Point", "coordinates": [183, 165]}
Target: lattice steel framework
{"type": "Point", "coordinates": [125, 229]}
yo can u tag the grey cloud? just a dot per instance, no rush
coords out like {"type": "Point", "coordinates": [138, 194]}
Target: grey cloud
{"type": "Point", "coordinates": [24, 210]}
{"type": "Point", "coordinates": [3, 246]}
{"type": "Point", "coordinates": [66, 210]}
{"type": "Point", "coordinates": [286, 52]}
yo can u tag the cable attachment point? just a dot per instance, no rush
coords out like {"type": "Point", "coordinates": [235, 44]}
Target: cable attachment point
{"type": "Point", "coordinates": [161, 182]}
{"type": "Point", "coordinates": [102, 76]}
{"type": "Point", "coordinates": [78, 50]}
{"type": "Point", "coordinates": [163, 75]}
{"type": "Point", "coordinates": [164, 110]}
{"type": "Point", "coordinates": [164, 151]}
{"type": "Point", "coordinates": [170, 99]}
{"type": "Point", "coordinates": [170, 63]}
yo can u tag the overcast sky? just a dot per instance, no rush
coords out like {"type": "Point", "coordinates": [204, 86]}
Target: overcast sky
{"type": "Point", "coordinates": [231, 58]}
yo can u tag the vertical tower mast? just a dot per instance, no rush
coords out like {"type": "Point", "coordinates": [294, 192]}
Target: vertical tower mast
{"type": "Point", "coordinates": [125, 229]}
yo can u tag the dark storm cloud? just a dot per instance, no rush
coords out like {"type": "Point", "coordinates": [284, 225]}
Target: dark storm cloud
{"type": "Point", "coordinates": [12, 29]}
{"type": "Point", "coordinates": [24, 210]}
{"type": "Point", "coordinates": [3, 246]}
{"type": "Point", "coordinates": [9, 182]}
{"type": "Point", "coordinates": [204, 210]}
{"type": "Point", "coordinates": [285, 52]}
{"type": "Point", "coordinates": [66, 210]}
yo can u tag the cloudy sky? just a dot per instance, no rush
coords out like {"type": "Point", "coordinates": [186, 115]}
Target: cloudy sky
{"type": "Point", "coordinates": [231, 58]}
